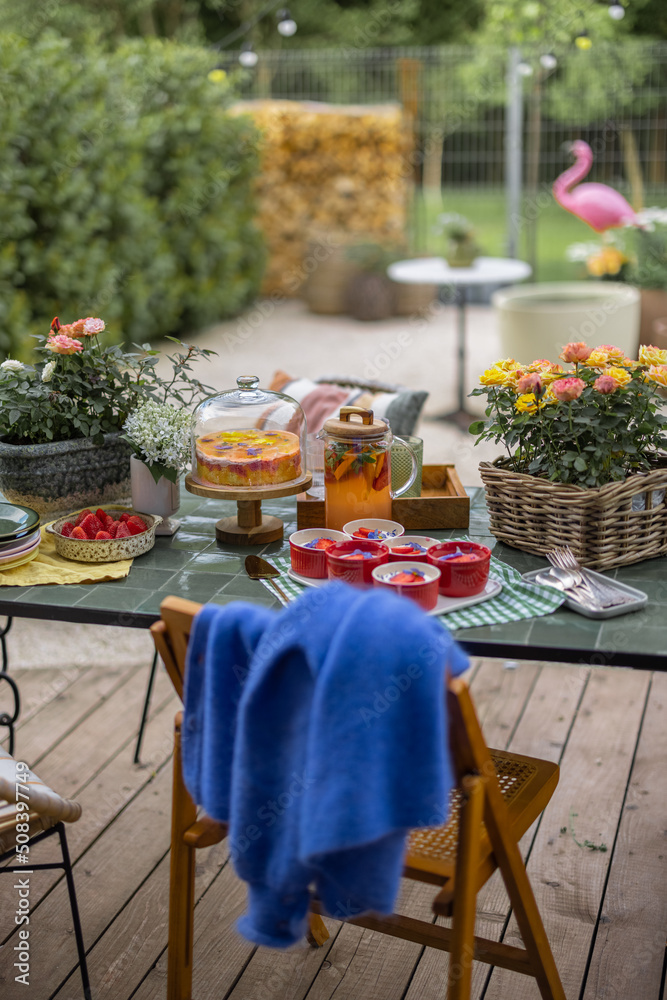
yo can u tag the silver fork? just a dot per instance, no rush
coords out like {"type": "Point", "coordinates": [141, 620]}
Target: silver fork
{"type": "Point", "coordinates": [555, 558]}
{"type": "Point", "coordinates": [610, 596]}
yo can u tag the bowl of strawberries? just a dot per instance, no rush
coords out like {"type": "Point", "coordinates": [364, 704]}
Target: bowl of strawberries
{"type": "Point", "coordinates": [105, 535]}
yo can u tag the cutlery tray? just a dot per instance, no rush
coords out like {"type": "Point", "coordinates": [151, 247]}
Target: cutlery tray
{"type": "Point", "coordinates": [639, 598]}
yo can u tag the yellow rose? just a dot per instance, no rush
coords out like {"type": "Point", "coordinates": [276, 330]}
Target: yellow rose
{"type": "Point", "coordinates": [494, 376]}
{"type": "Point", "coordinates": [526, 403]}
{"type": "Point", "coordinates": [649, 355]}
{"type": "Point", "coordinates": [507, 364]}
{"type": "Point", "coordinates": [657, 374]}
{"type": "Point", "coordinates": [596, 266]}
{"type": "Point", "coordinates": [620, 374]}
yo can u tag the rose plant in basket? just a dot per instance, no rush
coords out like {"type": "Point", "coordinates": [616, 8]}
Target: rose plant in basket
{"type": "Point", "coordinates": [61, 419]}
{"type": "Point", "coordinates": [585, 451]}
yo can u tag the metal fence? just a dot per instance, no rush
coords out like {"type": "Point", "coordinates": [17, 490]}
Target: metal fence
{"type": "Point", "coordinates": [462, 102]}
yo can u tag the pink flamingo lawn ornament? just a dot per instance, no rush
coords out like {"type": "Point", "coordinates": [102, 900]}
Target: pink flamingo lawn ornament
{"type": "Point", "coordinates": [596, 204]}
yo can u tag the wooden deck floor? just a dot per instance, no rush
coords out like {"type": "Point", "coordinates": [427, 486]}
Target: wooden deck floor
{"type": "Point", "coordinates": [597, 859]}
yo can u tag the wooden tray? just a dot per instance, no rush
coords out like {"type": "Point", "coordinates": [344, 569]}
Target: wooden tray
{"type": "Point", "coordinates": [443, 504]}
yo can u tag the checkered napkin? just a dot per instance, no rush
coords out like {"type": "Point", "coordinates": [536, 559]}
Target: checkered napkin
{"type": "Point", "coordinates": [516, 600]}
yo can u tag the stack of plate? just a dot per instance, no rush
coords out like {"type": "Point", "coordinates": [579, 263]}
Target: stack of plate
{"type": "Point", "coordinates": [19, 535]}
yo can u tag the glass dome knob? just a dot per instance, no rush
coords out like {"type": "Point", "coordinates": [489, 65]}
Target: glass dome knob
{"type": "Point", "coordinates": [247, 381]}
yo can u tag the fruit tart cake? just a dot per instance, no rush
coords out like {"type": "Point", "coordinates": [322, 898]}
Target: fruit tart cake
{"type": "Point", "coordinates": [248, 457]}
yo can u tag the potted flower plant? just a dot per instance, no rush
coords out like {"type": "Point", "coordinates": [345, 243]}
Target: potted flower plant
{"type": "Point", "coordinates": [61, 419]}
{"type": "Point", "coordinates": [461, 248]}
{"type": "Point", "coordinates": [159, 435]}
{"type": "Point", "coordinates": [585, 461]}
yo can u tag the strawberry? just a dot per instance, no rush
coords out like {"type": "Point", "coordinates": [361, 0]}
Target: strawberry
{"type": "Point", "coordinates": [82, 517]}
{"type": "Point", "coordinates": [91, 525]}
{"type": "Point", "coordinates": [123, 530]}
{"type": "Point", "coordinates": [135, 519]}
{"type": "Point", "coordinates": [101, 535]}
{"type": "Point", "coordinates": [112, 528]}
{"type": "Point", "coordinates": [124, 516]}
{"type": "Point", "coordinates": [67, 529]}
{"type": "Point", "coordinates": [134, 527]}
{"type": "Point", "coordinates": [78, 532]}
{"type": "Point", "coordinates": [102, 514]}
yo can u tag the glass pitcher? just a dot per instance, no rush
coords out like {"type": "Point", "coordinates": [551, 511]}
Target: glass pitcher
{"type": "Point", "coordinates": [357, 467]}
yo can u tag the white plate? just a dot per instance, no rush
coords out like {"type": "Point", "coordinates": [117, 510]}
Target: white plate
{"type": "Point", "coordinates": [444, 605]}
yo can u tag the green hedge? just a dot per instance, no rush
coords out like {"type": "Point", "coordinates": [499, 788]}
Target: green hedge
{"type": "Point", "coordinates": [125, 190]}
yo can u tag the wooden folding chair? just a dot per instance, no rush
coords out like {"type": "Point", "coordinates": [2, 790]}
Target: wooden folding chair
{"type": "Point", "coordinates": [497, 797]}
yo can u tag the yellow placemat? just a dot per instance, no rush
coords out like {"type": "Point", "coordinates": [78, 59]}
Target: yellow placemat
{"type": "Point", "coordinates": [49, 567]}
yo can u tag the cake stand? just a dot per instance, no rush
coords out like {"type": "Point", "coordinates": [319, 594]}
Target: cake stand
{"type": "Point", "coordinates": [249, 527]}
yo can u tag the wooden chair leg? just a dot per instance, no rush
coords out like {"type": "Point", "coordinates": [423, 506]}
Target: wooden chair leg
{"type": "Point", "coordinates": [465, 897]}
{"type": "Point", "coordinates": [181, 884]}
{"type": "Point", "coordinates": [317, 932]}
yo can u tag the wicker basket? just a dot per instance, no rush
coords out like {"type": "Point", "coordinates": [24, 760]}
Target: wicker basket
{"type": "Point", "coordinates": [615, 525]}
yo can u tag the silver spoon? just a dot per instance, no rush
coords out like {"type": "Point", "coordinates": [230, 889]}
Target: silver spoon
{"type": "Point", "coordinates": [562, 580]}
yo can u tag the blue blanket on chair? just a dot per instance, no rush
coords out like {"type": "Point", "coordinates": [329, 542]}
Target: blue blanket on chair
{"type": "Point", "coordinates": [320, 734]}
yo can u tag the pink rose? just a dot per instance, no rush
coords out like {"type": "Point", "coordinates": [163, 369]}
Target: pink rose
{"type": "Point", "coordinates": [567, 389]}
{"type": "Point", "coordinates": [605, 384]}
{"type": "Point", "coordinates": [63, 344]}
{"type": "Point", "coordinates": [92, 326]}
{"type": "Point", "coordinates": [576, 352]}
{"type": "Point", "coordinates": [530, 383]}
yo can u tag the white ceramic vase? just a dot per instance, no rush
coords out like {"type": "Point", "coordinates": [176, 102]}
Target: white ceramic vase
{"type": "Point", "coordinates": [149, 497]}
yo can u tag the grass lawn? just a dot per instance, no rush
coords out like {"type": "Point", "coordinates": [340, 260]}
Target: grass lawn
{"type": "Point", "coordinates": [485, 208]}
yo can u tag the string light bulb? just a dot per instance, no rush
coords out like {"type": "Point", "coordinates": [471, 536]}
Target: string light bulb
{"type": "Point", "coordinates": [616, 11]}
{"type": "Point", "coordinates": [548, 60]}
{"type": "Point", "coordinates": [247, 56]}
{"type": "Point", "coordinates": [286, 23]}
{"type": "Point", "coordinates": [524, 69]}
{"type": "Point", "coordinates": [583, 41]}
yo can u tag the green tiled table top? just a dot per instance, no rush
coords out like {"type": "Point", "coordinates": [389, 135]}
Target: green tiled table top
{"type": "Point", "coordinates": [193, 564]}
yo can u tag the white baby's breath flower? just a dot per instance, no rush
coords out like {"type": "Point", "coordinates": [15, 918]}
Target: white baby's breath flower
{"type": "Point", "coordinates": [581, 251]}
{"type": "Point", "coordinates": [161, 433]}
{"type": "Point", "coordinates": [12, 366]}
{"type": "Point", "coordinates": [48, 370]}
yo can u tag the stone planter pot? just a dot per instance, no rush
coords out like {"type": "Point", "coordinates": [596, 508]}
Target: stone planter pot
{"type": "Point", "coordinates": [536, 321]}
{"type": "Point", "coordinates": [148, 497]}
{"type": "Point", "coordinates": [63, 476]}
{"type": "Point", "coordinates": [653, 308]}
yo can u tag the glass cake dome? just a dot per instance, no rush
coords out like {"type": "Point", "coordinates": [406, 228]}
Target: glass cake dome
{"type": "Point", "coordinates": [248, 437]}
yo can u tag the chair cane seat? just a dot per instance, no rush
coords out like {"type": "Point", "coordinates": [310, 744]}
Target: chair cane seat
{"type": "Point", "coordinates": [526, 785]}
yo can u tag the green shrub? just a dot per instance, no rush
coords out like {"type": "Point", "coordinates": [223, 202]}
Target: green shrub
{"type": "Point", "coordinates": [125, 190]}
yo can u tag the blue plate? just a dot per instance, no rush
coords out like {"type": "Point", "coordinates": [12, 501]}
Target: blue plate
{"type": "Point", "coordinates": [16, 521]}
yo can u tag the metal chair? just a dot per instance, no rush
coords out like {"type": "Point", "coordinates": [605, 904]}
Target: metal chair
{"type": "Point", "coordinates": [30, 812]}
{"type": "Point", "coordinates": [497, 797]}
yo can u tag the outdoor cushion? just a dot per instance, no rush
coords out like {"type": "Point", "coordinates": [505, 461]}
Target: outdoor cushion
{"type": "Point", "coordinates": [323, 399]}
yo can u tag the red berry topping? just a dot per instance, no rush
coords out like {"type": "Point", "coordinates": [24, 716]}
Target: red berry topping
{"type": "Point", "coordinates": [67, 529]}
{"type": "Point", "coordinates": [82, 516]}
{"type": "Point", "coordinates": [78, 532]}
{"type": "Point", "coordinates": [101, 535]}
{"type": "Point", "coordinates": [123, 530]}
{"type": "Point", "coordinates": [91, 525]}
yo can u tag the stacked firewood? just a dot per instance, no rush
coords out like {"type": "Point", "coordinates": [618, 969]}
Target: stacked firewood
{"type": "Point", "coordinates": [331, 176]}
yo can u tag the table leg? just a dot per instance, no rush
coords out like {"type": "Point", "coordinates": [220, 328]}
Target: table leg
{"type": "Point", "coordinates": [8, 719]}
{"type": "Point", "coordinates": [147, 705]}
{"type": "Point", "coordinates": [460, 416]}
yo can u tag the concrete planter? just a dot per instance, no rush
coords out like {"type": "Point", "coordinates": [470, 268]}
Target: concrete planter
{"type": "Point", "coordinates": [63, 476]}
{"type": "Point", "coordinates": [536, 321]}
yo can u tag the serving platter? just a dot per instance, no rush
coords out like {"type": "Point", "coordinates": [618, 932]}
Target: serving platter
{"type": "Point", "coordinates": [444, 605]}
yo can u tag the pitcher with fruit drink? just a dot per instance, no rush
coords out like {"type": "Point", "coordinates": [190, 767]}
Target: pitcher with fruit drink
{"type": "Point", "coordinates": [357, 467]}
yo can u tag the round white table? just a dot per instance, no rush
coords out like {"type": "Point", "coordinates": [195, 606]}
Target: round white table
{"type": "Point", "coordinates": [436, 271]}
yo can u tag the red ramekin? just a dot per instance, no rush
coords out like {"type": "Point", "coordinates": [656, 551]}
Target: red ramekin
{"type": "Point", "coordinates": [425, 594]}
{"type": "Point", "coordinates": [355, 571]}
{"type": "Point", "coordinates": [312, 562]}
{"type": "Point", "coordinates": [464, 579]}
